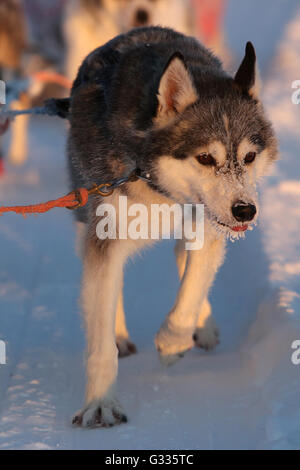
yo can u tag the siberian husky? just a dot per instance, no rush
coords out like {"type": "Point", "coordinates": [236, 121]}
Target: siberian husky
{"type": "Point", "coordinates": [158, 101]}
{"type": "Point", "coordinates": [91, 23]}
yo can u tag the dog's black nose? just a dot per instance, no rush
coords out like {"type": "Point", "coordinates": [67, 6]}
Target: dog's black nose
{"type": "Point", "coordinates": [141, 17]}
{"type": "Point", "coordinates": [243, 212]}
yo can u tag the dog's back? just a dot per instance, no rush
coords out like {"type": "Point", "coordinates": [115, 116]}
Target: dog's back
{"type": "Point", "coordinates": [143, 44]}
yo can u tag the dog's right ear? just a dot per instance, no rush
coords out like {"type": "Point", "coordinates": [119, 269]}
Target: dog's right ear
{"type": "Point", "coordinates": [58, 107]}
{"type": "Point", "coordinates": [176, 89]}
{"type": "Point", "coordinates": [247, 75]}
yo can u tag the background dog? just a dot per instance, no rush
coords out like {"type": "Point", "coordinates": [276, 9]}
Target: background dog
{"type": "Point", "coordinates": [90, 23]}
{"type": "Point", "coordinates": [27, 48]}
{"type": "Point", "coordinates": [12, 35]}
{"type": "Point", "coordinates": [13, 43]}
{"type": "Point", "coordinates": [167, 108]}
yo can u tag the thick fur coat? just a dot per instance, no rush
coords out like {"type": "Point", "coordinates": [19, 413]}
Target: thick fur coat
{"type": "Point", "coordinates": [159, 102]}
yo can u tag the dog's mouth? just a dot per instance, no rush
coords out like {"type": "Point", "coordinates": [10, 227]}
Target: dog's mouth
{"type": "Point", "coordinates": [233, 231]}
{"type": "Point", "coordinates": [235, 228]}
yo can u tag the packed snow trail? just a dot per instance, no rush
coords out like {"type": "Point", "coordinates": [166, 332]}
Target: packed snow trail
{"type": "Point", "coordinates": [245, 394]}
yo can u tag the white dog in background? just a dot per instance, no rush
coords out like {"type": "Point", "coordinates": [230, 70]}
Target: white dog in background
{"type": "Point", "coordinates": [90, 23]}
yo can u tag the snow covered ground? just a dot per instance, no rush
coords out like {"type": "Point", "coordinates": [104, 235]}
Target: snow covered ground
{"type": "Point", "coordinates": [244, 395]}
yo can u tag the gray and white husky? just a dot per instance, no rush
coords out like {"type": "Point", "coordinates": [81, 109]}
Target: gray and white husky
{"type": "Point", "coordinates": [158, 101]}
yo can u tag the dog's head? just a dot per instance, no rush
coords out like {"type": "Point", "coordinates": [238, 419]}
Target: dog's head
{"type": "Point", "coordinates": [216, 141]}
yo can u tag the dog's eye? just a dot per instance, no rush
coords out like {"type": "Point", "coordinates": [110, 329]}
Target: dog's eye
{"type": "Point", "coordinates": [250, 157]}
{"type": "Point", "coordinates": [206, 159]}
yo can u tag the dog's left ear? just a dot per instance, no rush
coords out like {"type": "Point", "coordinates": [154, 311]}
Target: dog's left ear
{"type": "Point", "coordinates": [247, 76]}
{"type": "Point", "coordinates": [176, 89]}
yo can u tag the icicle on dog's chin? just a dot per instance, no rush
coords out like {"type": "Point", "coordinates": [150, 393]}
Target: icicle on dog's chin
{"type": "Point", "coordinates": [232, 232]}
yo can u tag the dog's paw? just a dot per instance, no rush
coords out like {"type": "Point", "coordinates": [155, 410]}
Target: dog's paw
{"type": "Point", "coordinates": [207, 337]}
{"type": "Point", "coordinates": [100, 414]}
{"type": "Point", "coordinates": [170, 359]}
{"type": "Point", "coordinates": [125, 347]}
{"type": "Point", "coordinates": [172, 346]}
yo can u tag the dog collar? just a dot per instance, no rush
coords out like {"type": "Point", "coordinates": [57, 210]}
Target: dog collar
{"type": "Point", "coordinates": [143, 175]}
{"type": "Point", "coordinates": [134, 175]}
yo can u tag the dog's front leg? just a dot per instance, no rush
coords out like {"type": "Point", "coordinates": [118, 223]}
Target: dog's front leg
{"type": "Point", "coordinates": [206, 335]}
{"type": "Point", "coordinates": [102, 281]}
{"type": "Point", "coordinates": [175, 336]}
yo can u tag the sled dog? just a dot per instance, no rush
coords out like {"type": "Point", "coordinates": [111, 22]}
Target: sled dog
{"type": "Point", "coordinates": [158, 101]}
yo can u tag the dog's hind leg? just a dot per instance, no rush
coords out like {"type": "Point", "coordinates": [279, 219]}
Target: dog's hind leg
{"type": "Point", "coordinates": [81, 229]}
{"type": "Point", "coordinates": [206, 334]}
{"type": "Point", "coordinates": [101, 285]}
{"type": "Point", "coordinates": [125, 346]}
{"type": "Point", "coordinates": [176, 334]}
{"type": "Point", "coordinates": [181, 257]}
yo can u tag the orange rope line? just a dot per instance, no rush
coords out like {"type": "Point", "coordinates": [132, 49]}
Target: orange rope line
{"type": "Point", "coordinates": [72, 200]}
